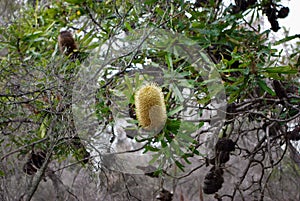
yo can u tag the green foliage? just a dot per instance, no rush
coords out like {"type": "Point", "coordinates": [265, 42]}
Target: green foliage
{"type": "Point", "coordinates": [244, 57]}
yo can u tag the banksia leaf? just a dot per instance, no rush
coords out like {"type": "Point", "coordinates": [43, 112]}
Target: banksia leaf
{"type": "Point", "coordinates": [150, 107]}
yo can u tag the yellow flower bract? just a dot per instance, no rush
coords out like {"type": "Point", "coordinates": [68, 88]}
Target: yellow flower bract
{"type": "Point", "coordinates": [150, 107]}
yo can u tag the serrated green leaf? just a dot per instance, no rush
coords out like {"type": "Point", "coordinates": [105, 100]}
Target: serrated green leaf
{"type": "Point", "coordinates": [153, 149]}
{"type": "Point", "coordinates": [173, 125]}
{"type": "Point", "coordinates": [155, 157]}
{"type": "Point", "coordinates": [179, 165]}
{"type": "Point", "coordinates": [167, 153]}
{"type": "Point", "coordinates": [175, 111]}
{"type": "Point", "coordinates": [176, 147]}
{"type": "Point", "coordinates": [128, 26]}
{"type": "Point", "coordinates": [177, 93]}
{"type": "Point", "coordinates": [43, 128]}
{"type": "Point", "coordinates": [75, 1]}
{"type": "Point", "coordinates": [265, 87]}
{"type": "Point", "coordinates": [163, 143]}
{"type": "Point", "coordinates": [169, 60]}
{"type": "Point", "coordinates": [288, 38]}
{"type": "Point", "coordinates": [32, 36]}
{"type": "Point", "coordinates": [281, 69]}
{"type": "Point", "coordinates": [232, 70]}
{"type": "Point", "coordinates": [185, 137]}
{"type": "Point", "coordinates": [1, 173]}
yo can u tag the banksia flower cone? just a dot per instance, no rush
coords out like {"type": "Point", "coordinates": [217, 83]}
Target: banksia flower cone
{"type": "Point", "coordinates": [150, 107]}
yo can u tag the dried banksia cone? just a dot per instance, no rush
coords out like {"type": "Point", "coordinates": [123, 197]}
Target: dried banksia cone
{"type": "Point", "coordinates": [150, 107]}
{"type": "Point", "coordinates": [34, 162]}
{"type": "Point", "coordinates": [283, 12]}
{"type": "Point", "coordinates": [38, 159]}
{"type": "Point", "coordinates": [225, 144]}
{"type": "Point", "coordinates": [213, 181]}
{"type": "Point", "coordinates": [66, 43]}
{"type": "Point", "coordinates": [165, 195]}
{"type": "Point", "coordinates": [29, 169]}
{"type": "Point", "coordinates": [294, 135]}
{"type": "Point", "coordinates": [279, 90]}
{"type": "Point", "coordinates": [221, 158]}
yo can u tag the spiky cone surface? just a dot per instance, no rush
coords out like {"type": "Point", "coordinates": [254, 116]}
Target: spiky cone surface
{"type": "Point", "coordinates": [150, 107]}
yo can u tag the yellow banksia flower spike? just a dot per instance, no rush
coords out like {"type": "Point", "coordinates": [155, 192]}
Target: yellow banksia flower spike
{"type": "Point", "coordinates": [150, 107]}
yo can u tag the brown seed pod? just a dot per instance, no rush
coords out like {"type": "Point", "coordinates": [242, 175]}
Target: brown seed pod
{"type": "Point", "coordinates": [86, 156]}
{"type": "Point", "coordinates": [224, 157]}
{"type": "Point", "coordinates": [213, 181]}
{"type": "Point", "coordinates": [230, 111]}
{"type": "Point", "coordinates": [279, 90]}
{"type": "Point", "coordinates": [34, 162]}
{"type": "Point", "coordinates": [274, 25]}
{"type": "Point", "coordinates": [221, 158]}
{"type": "Point", "coordinates": [29, 169]}
{"type": "Point", "coordinates": [66, 43]}
{"type": "Point", "coordinates": [274, 129]}
{"type": "Point", "coordinates": [37, 159]}
{"type": "Point", "coordinates": [294, 135]}
{"type": "Point", "coordinates": [225, 144]}
{"type": "Point", "coordinates": [283, 12]}
{"type": "Point", "coordinates": [165, 195]}
{"type": "Point", "coordinates": [272, 17]}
